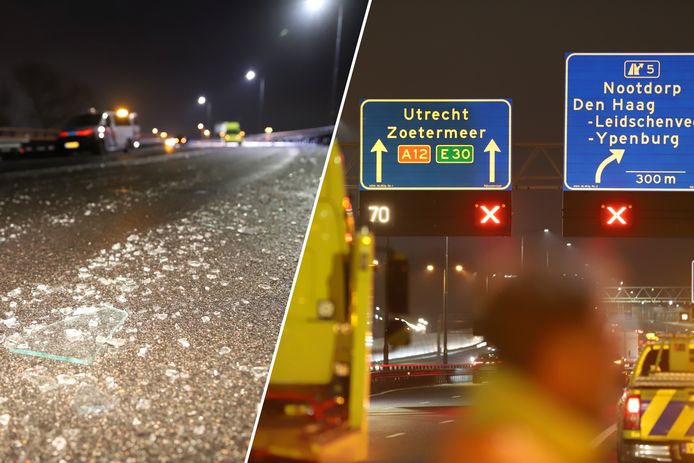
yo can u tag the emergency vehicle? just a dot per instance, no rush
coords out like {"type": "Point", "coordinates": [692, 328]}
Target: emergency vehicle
{"type": "Point", "coordinates": [100, 132]}
{"type": "Point", "coordinates": [315, 406]}
{"type": "Point", "coordinates": [657, 408]}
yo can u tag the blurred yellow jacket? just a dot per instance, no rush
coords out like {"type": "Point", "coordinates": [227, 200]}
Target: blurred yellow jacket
{"type": "Point", "coordinates": [514, 422]}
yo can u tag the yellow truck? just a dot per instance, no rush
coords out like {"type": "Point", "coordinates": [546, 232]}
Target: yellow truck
{"type": "Point", "coordinates": [657, 408]}
{"type": "Point", "coordinates": [230, 131]}
{"type": "Point", "coordinates": [316, 402]}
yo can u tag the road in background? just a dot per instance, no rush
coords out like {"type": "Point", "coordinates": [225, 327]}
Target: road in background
{"type": "Point", "coordinates": [199, 247]}
{"type": "Point", "coordinates": [406, 425]}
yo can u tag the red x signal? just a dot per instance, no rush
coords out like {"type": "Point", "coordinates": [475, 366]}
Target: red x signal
{"type": "Point", "coordinates": [616, 215]}
{"type": "Point", "coordinates": [490, 213]}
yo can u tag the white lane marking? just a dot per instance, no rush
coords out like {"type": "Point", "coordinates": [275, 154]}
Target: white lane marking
{"type": "Point", "coordinates": [435, 386]}
{"type": "Point", "coordinates": [445, 421]}
{"type": "Point", "coordinates": [397, 434]}
{"type": "Point", "coordinates": [424, 402]}
{"type": "Point", "coordinates": [604, 435]}
{"type": "Point", "coordinates": [455, 397]}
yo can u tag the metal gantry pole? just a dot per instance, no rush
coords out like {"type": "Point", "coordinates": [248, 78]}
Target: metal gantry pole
{"type": "Point", "coordinates": [385, 310]}
{"type": "Point", "coordinates": [445, 301]}
{"type": "Point", "coordinates": [522, 252]}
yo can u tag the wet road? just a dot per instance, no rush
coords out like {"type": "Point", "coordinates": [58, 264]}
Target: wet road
{"type": "Point", "coordinates": [199, 248]}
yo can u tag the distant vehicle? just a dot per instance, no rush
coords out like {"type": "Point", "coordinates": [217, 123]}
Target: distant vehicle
{"type": "Point", "coordinates": [101, 133]}
{"type": "Point", "coordinates": [483, 366]}
{"type": "Point", "coordinates": [655, 421]}
{"type": "Point", "coordinates": [230, 131]}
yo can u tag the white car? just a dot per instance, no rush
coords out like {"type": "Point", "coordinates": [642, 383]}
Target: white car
{"type": "Point", "coordinates": [101, 133]}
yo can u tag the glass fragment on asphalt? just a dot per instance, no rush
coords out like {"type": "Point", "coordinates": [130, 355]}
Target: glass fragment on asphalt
{"type": "Point", "coordinates": [40, 378]}
{"type": "Point", "coordinates": [89, 399]}
{"type": "Point", "coordinates": [78, 338]}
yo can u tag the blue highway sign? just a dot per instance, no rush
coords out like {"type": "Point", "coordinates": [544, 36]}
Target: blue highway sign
{"type": "Point", "coordinates": [629, 122]}
{"type": "Point", "coordinates": [435, 145]}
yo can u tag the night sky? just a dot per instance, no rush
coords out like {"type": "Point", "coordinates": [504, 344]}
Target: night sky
{"type": "Point", "coordinates": [157, 57]}
{"type": "Point", "coordinates": [515, 49]}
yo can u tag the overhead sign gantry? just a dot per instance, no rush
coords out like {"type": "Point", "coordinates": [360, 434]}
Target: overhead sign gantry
{"type": "Point", "coordinates": [629, 122]}
{"type": "Point", "coordinates": [629, 145]}
{"type": "Point", "coordinates": [435, 144]}
{"type": "Point", "coordinates": [436, 167]}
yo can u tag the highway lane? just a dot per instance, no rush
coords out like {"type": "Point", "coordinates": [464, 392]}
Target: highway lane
{"type": "Point", "coordinates": [21, 166]}
{"type": "Point", "coordinates": [409, 424]}
{"type": "Point", "coordinates": [199, 248]}
{"type": "Point", "coordinates": [406, 425]}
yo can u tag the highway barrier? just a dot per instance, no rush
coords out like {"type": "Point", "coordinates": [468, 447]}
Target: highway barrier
{"type": "Point", "coordinates": [398, 375]}
{"type": "Point", "coordinates": [312, 136]}
{"type": "Point", "coordinates": [19, 141]}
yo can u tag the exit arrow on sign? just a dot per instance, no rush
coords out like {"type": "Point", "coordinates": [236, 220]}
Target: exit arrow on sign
{"type": "Point", "coordinates": [379, 148]}
{"type": "Point", "coordinates": [617, 155]}
{"type": "Point", "coordinates": [492, 148]}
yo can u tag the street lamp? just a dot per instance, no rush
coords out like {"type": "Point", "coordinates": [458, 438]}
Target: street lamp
{"type": "Point", "coordinates": [545, 232]}
{"type": "Point", "coordinates": [201, 126]}
{"type": "Point", "coordinates": [458, 268]}
{"type": "Point", "coordinates": [430, 268]}
{"type": "Point", "coordinates": [203, 101]}
{"type": "Point", "coordinates": [314, 5]}
{"type": "Point", "coordinates": [250, 76]}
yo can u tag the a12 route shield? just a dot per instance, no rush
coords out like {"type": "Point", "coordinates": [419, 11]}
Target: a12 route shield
{"type": "Point", "coordinates": [629, 122]}
{"type": "Point", "coordinates": [435, 144]}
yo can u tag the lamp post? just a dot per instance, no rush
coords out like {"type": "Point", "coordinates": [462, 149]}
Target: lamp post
{"type": "Point", "coordinates": [250, 76]}
{"type": "Point", "coordinates": [314, 6]}
{"type": "Point", "coordinates": [545, 233]}
{"type": "Point", "coordinates": [203, 101]}
{"type": "Point", "coordinates": [444, 298]}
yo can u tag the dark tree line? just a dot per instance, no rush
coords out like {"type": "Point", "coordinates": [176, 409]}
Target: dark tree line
{"type": "Point", "coordinates": [53, 97]}
{"type": "Point", "coordinates": [5, 101]}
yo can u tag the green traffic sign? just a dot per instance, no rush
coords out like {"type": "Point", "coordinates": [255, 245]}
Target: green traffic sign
{"type": "Point", "coordinates": [455, 154]}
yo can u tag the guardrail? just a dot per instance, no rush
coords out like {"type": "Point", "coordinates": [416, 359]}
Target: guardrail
{"type": "Point", "coordinates": [399, 370]}
{"type": "Point", "coordinates": [390, 376]}
{"type": "Point", "coordinates": [26, 134]}
{"type": "Point", "coordinates": [316, 135]}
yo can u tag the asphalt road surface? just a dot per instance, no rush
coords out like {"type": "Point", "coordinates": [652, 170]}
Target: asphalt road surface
{"type": "Point", "coordinates": [410, 425]}
{"type": "Point", "coordinates": [407, 425]}
{"type": "Point", "coordinates": [199, 248]}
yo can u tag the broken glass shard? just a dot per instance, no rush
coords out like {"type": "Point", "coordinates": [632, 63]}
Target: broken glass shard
{"type": "Point", "coordinates": [39, 377]}
{"type": "Point", "coordinates": [76, 339]}
{"type": "Point", "coordinates": [89, 399]}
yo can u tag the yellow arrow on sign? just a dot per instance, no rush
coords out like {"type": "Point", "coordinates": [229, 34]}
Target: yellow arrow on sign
{"type": "Point", "coordinates": [379, 148]}
{"type": "Point", "coordinates": [616, 155]}
{"type": "Point", "coordinates": [492, 148]}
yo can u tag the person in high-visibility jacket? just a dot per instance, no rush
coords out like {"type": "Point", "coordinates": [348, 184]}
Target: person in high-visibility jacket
{"type": "Point", "coordinates": [550, 398]}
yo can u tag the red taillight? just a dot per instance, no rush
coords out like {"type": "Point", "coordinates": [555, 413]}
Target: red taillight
{"type": "Point", "coordinates": [632, 412]}
{"type": "Point", "coordinates": [63, 134]}
{"type": "Point", "coordinates": [84, 133]}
